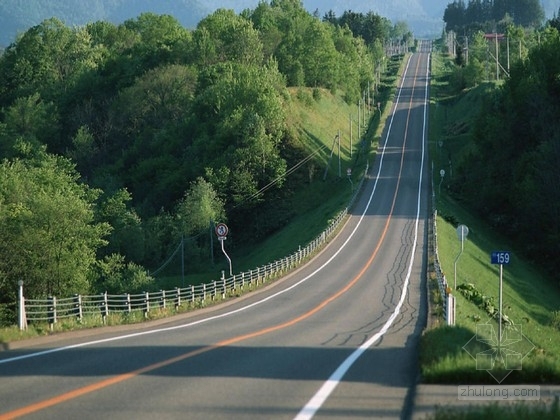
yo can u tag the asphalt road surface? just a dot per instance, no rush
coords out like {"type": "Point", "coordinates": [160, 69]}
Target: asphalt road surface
{"type": "Point", "coordinates": [335, 340]}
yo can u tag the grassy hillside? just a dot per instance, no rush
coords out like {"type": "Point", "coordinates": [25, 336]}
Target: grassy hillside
{"type": "Point", "coordinates": [531, 301]}
{"type": "Point", "coordinates": [315, 117]}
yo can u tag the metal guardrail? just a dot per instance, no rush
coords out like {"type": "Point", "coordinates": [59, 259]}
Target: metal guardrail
{"type": "Point", "coordinates": [53, 309]}
{"type": "Point", "coordinates": [448, 300]}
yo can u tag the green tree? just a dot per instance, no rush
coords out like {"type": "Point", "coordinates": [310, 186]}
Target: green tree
{"type": "Point", "coordinates": [527, 13]}
{"type": "Point", "coordinates": [225, 36]}
{"type": "Point", "coordinates": [48, 58]}
{"type": "Point", "coordinates": [266, 19]}
{"type": "Point", "coordinates": [200, 206]}
{"type": "Point", "coordinates": [127, 236]}
{"type": "Point", "coordinates": [473, 72]}
{"type": "Point", "coordinates": [159, 97]}
{"type": "Point", "coordinates": [31, 119]}
{"type": "Point", "coordinates": [239, 126]}
{"type": "Point", "coordinates": [161, 40]}
{"type": "Point", "coordinates": [319, 56]}
{"type": "Point", "coordinates": [84, 151]}
{"type": "Point", "coordinates": [512, 174]}
{"type": "Point", "coordinates": [116, 276]}
{"type": "Point", "coordinates": [149, 132]}
{"type": "Point", "coordinates": [49, 236]}
{"type": "Point", "coordinates": [355, 63]}
{"type": "Point", "coordinates": [517, 36]}
{"type": "Point", "coordinates": [454, 15]}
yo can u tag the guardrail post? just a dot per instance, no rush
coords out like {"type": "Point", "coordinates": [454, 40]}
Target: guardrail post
{"type": "Point", "coordinates": [51, 311]}
{"type": "Point", "coordinates": [192, 294]}
{"type": "Point", "coordinates": [128, 304]}
{"type": "Point", "coordinates": [162, 302]}
{"type": "Point", "coordinates": [22, 317]}
{"type": "Point", "coordinates": [177, 298]}
{"type": "Point", "coordinates": [450, 310]}
{"type": "Point", "coordinates": [223, 284]}
{"type": "Point", "coordinates": [146, 304]}
{"type": "Point", "coordinates": [78, 306]}
{"type": "Point", "coordinates": [104, 307]}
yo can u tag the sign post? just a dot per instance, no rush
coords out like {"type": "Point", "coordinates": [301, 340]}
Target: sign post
{"type": "Point", "coordinates": [442, 175]}
{"type": "Point", "coordinates": [349, 175]}
{"type": "Point", "coordinates": [462, 232]}
{"type": "Point", "coordinates": [500, 258]}
{"type": "Point", "coordinates": [221, 232]}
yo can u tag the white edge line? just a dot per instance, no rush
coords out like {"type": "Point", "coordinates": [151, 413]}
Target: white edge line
{"type": "Point", "coordinates": [316, 402]}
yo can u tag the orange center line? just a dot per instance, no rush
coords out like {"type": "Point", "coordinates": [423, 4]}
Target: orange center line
{"type": "Point", "coordinates": [41, 405]}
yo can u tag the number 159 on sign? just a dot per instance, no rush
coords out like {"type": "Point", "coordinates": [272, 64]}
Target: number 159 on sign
{"type": "Point", "coordinates": [500, 257]}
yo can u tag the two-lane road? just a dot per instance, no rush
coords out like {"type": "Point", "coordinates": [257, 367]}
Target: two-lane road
{"type": "Point", "coordinates": [337, 339]}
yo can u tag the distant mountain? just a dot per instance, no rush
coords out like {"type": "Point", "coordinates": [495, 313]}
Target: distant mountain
{"type": "Point", "coordinates": [424, 17]}
{"type": "Point", "coordinates": [16, 16]}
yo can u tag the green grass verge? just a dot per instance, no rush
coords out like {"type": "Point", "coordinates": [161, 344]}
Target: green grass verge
{"type": "Point", "coordinates": [530, 299]}
{"type": "Point", "coordinates": [499, 412]}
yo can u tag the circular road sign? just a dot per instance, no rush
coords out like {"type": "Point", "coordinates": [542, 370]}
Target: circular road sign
{"type": "Point", "coordinates": [221, 230]}
{"type": "Point", "coordinates": [462, 232]}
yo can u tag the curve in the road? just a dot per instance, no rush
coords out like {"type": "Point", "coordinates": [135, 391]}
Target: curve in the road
{"type": "Point", "coordinates": [320, 397]}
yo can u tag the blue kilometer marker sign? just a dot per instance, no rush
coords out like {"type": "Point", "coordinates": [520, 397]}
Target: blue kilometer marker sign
{"type": "Point", "coordinates": [500, 257]}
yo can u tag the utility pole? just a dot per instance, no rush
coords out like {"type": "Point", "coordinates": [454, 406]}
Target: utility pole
{"type": "Point", "coordinates": [497, 59]}
{"type": "Point", "coordinates": [507, 39]}
{"type": "Point", "coordinates": [359, 120]}
{"type": "Point", "coordinates": [467, 49]}
{"type": "Point", "coordinates": [368, 99]}
{"type": "Point", "coordinates": [337, 137]}
{"type": "Point", "coordinates": [339, 163]}
{"type": "Point", "coordinates": [351, 140]}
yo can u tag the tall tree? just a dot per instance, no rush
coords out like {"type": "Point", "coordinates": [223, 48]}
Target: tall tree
{"type": "Point", "coordinates": [225, 36]}
{"type": "Point", "coordinates": [511, 174]}
{"type": "Point", "coordinates": [31, 119]}
{"type": "Point", "coordinates": [48, 234]}
{"type": "Point", "coordinates": [239, 125]}
{"type": "Point", "coordinates": [200, 206]}
{"type": "Point", "coordinates": [454, 15]}
{"type": "Point", "coordinates": [161, 39]}
{"type": "Point", "coordinates": [319, 56]}
{"type": "Point", "coordinates": [48, 59]}
{"type": "Point", "coordinates": [126, 237]}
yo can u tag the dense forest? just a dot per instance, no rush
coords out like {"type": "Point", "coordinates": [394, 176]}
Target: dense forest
{"type": "Point", "coordinates": [118, 140]}
{"type": "Point", "coordinates": [510, 174]}
{"type": "Point", "coordinates": [492, 15]}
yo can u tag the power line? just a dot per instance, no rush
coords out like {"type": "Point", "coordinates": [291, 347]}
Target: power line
{"type": "Point", "coordinates": [284, 175]}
